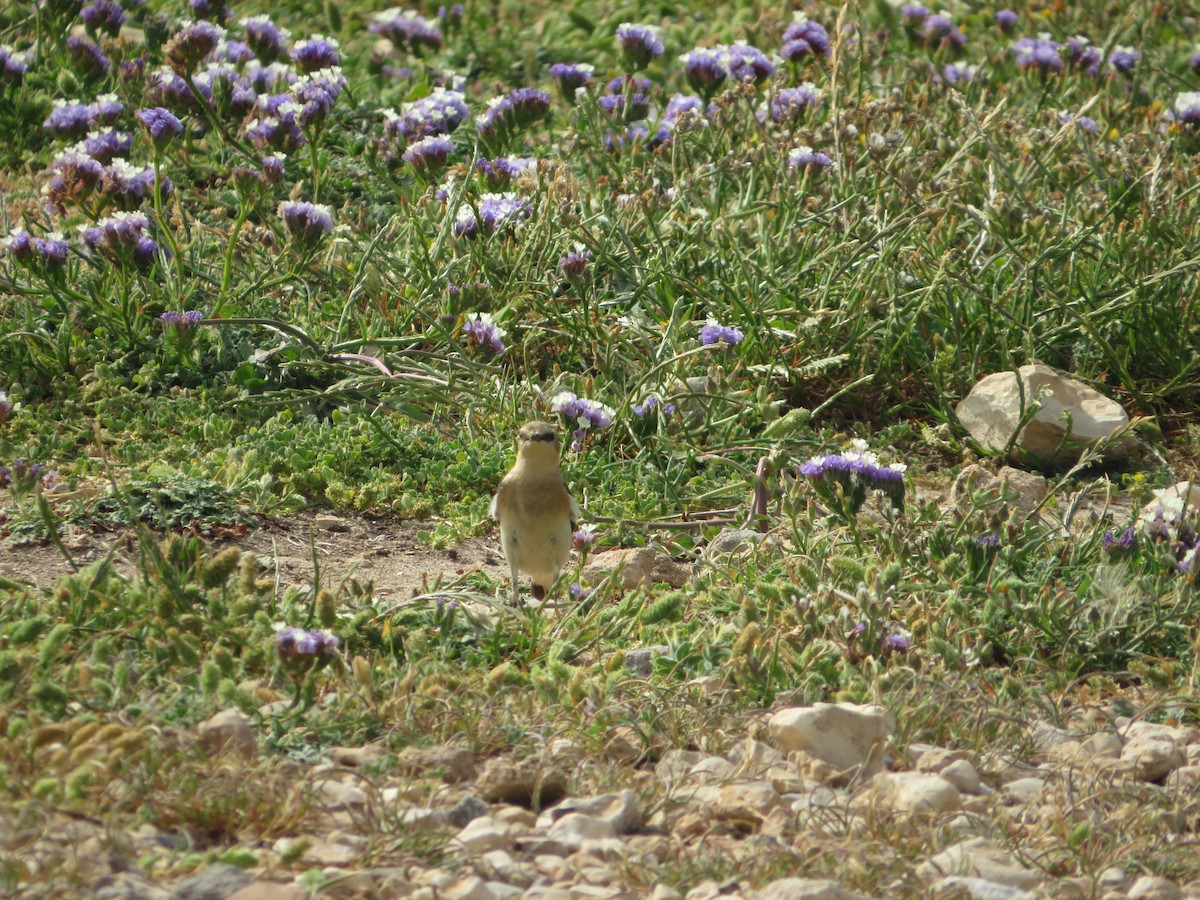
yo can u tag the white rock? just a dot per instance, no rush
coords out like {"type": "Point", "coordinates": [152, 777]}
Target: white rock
{"type": "Point", "coordinates": [338, 795]}
{"type": "Point", "coordinates": [632, 565]}
{"type": "Point", "coordinates": [675, 764]}
{"type": "Point", "coordinates": [1150, 887]}
{"type": "Point", "coordinates": [227, 732]}
{"type": "Point", "coordinates": [979, 858]}
{"type": "Point", "coordinates": [575, 828]}
{"type": "Point", "coordinates": [749, 802]}
{"type": "Point", "coordinates": [1153, 755]}
{"type": "Point", "coordinates": [483, 834]}
{"type": "Point", "coordinates": [912, 794]}
{"type": "Point", "coordinates": [713, 768]}
{"type": "Point", "coordinates": [958, 886]}
{"type": "Point", "coordinates": [754, 758]}
{"type": "Point", "coordinates": [470, 888]}
{"type": "Point", "coordinates": [621, 810]}
{"type": "Point", "coordinates": [805, 889]}
{"type": "Point", "coordinates": [992, 412]}
{"type": "Point", "coordinates": [1023, 791]}
{"type": "Point", "coordinates": [845, 735]}
{"type": "Point", "coordinates": [963, 776]}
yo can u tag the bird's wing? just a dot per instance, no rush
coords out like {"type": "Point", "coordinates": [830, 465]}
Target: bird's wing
{"type": "Point", "coordinates": [494, 509]}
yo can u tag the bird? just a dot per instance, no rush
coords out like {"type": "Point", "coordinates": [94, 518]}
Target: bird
{"type": "Point", "coordinates": [536, 512]}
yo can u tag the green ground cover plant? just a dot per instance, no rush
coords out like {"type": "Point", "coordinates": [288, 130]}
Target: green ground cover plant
{"type": "Point", "coordinates": [331, 259]}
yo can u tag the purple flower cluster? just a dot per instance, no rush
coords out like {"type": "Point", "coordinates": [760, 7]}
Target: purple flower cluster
{"type": "Point", "coordinates": [707, 69]}
{"type": "Point", "coordinates": [575, 263]}
{"type": "Point", "coordinates": [804, 38]}
{"type": "Point", "coordinates": [1083, 56]}
{"type": "Point", "coordinates": [585, 414]}
{"type": "Point", "coordinates": [713, 334]}
{"type": "Point", "coordinates": [24, 476]}
{"type": "Point", "coordinates": [638, 44]}
{"type": "Point", "coordinates": [307, 223]}
{"type": "Point", "coordinates": [315, 95]}
{"type": "Point", "coordinates": [1123, 59]}
{"type": "Point", "coordinates": [315, 53]}
{"type": "Point", "coordinates": [191, 44]}
{"type": "Point", "coordinates": [73, 119]}
{"type": "Point", "coordinates": [583, 538]}
{"type": "Point", "coordinates": [189, 319]}
{"type": "Point", "coordinates": [299, 645]}
{"type": "Point", "coordinates": [102, 17]}
{"type": "Point", "coordinates": [570, 77]}
{"type": "Point", "coordinates": [787, 104]}
{"type": "Point", "coordinates": [1185, 112]}
{"type": "Point", "coordinates": [650, 403]}
{"type": "Point", "coordinates": [122, 239]}
{"type": "Point", "coordinates": [500, 172]}
{"type": "Point", "coordinates": [1084, 123]}
{"type": "Point", "coordinates": [161, 124]}
{"type": "Point", "coordinates": [1006, 20]}
{"type": "Point", "coordinates": [508, 114]}
{"type": "Point", "coordinates": [87, 56]}
{"type": "Point", "coordinates": [106, 145]}
{"type": "Point", "coordinates": [938, 31]}
{"type": "Point", "coordinates": [497, 212]}
{"type": "Point", "coordinates": [407, 30]}
{"type": "Point", "coordinates": [958, 73]}
{"type": "Point", "coordinates": [429, 156]}
{"type": "Point", "coordinates": [13, 65]}
{"type": "Point", "coordinates": [1039, 54]}
{"type": "Point", "coordinates": [857, 471]}
{"type": "Point", "coordinates": [807, 159]}
{"type": "Point", "coordinates": [46, 254]}
{"type": "Point", "coordinates": [1119, 542]}
{"type": "Point", "coordinates": [268, 41]}
{"type": "Point", "coordinates": [483, 333]}
{"type": "Point", "coordinates": [440, 112]}
{"type": "Point", "coordinates": [128, 185]}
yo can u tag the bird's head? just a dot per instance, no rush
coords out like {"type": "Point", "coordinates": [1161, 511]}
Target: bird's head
{"type": "Point", "coordinates": [537, 440]}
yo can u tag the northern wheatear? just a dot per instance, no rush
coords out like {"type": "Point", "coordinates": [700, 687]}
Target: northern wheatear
{"type": "Point", "coordinates": [535, 510]}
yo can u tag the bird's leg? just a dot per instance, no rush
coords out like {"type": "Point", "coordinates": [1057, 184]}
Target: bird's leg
{"type": "Point", "coordinates": [516, 588]}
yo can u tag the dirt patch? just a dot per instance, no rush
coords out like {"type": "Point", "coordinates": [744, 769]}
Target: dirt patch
{"type": "Point", "coordinates": [387, 553]}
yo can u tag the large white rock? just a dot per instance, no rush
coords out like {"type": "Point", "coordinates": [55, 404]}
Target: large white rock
{"type": "Point", "coordinates": [910, 795]}
{"type": "Point", "coordinates": [1072, 417]}
{"type": "Point", "coordinates": [845, 735]}
{"type": "Point", "coordinates": [979, 858]}
{"type": "Point", "coordinates": [806, 889]}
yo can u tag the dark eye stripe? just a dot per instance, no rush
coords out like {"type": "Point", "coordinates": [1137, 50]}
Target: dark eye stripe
{"type": "Point", "coordinates": [541, 436]}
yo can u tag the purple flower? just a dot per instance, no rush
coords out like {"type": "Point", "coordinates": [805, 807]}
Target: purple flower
{"type": "Point", "coordinates": [938, 31]}
{"type": "Point", "coordinates": [584, 537]}
{"type": "Point", "coordinates": [575, 263]}
{"type": "Point", "coordinates": [87, 55]}
{"type": "Point", "coordinates": [407, 30]}
{"type": "Point", "coordinates": [440, 112]}
{"type": "Point", "coordinates": [189, 319]}
{"type": "Point", "coordinates": [1186, 110]}
{"type": "Point", "coordinates": [307, 223]}
{"type": "Point", "coordinates": [68, 118]}
{"type": "Point", "coordinates": [804, 38]}
{"type": "Point", "coordinates": [705, 70]}
{"type": "Point", "coordinates": [957, 73]}
{"type": "Point", "coordinates": [788, 103]}
{"type": "Point", "coordinates": [1006, 20]}
{"type": "Point", "coordinates": [13, 65]}
{"type": "Point", "coordinates": [121, 238]}
{"type": "Point", "coordinates": [47, 254]}
{"type": "Point", "coordinates": [190, 44]}
{"type": "Point", "coordinates": [103, 17]}
{"type": "Point", "coordinates": [570, 77]}
{"type": "Point", "coordinates": [1083, 123]}
{"type": "Point", "coordinates": [913, 16]}
{"type": "Point", "coordinates": [896, 641]}
{"type": "Point", "coordinates": [639, 44]}
{"type": "Point", "coordinates": [1121, 541]}
{"type": "Point", "coordinates": [808, 159]}
{"type": "Point", "coordinates": [483, 333]}
{"type": "Point", "coordinates": [1194, 62]}
{"type": "Point", "coordinates": [989, 540]}
{"type": "Point", "coordinates": [295, 645]}
{"type": "Point", "coordinates": [1039, 53]}
{"type": "Point", "coordinates": [586, 415]}
{"type": "Point", "coordinates": [6, 407]}
{"type": "Point", "coordinates": [747, 63]}
{"type": "Point", "coordinates": [579, 592]}
{"type": "Point", "coordinates": [106, 144]}
{"type": "Point", "coordinates": [651, 403]}
{"type": "Point", "coordinates": [508, 114]}
{"type": "Point", "coordinates": [1123, 59]}
{"type": "Point", "coordinates": [315, 94]}
{"type": "Point", "coordinates": [161, 124]}
{"type": "Point", "coordinates": [212, 10]}
{"type": "Point", "coordinates": [497, 212]}
{"type": "Point", "coordinates": [1082, 55]}
{"type": "Point", "coordinates": [129, 185]}
{"type": "Point", "coordinates": [75, 176]}
{"type": "Point", "coordinates": [498, 173]}
{"type": "Point", "coordinates": [316, 53]}
{"type": "Point", "coordinates": [712, 334]}
{"type": "Point", "coordinates": [267, 40]}
{"type": "Point", "coordinates": [105, 110]}
{"type": "Point", "coordinates": [429, 156]}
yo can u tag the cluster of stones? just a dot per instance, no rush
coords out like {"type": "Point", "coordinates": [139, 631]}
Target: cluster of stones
{"type": "Point", "coordinates": [828, 772]}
